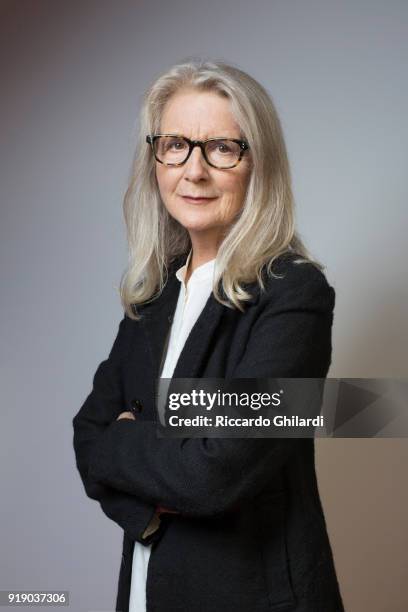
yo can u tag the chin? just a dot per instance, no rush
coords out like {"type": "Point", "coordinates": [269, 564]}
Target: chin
{"type": "Point", "coordinates": [198, 227]}
{"type": "Point", "coordinates": [196, 221]}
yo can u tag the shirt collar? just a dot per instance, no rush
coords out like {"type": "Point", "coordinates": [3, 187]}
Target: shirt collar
{"type": "Point", "coordinates": [203, 272]}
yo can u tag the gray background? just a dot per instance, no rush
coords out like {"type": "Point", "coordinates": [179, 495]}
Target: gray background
{"type": "Point", "coordinates": [72, 76]}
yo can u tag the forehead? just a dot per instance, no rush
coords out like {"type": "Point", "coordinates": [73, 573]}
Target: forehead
{"type": "Point", "coordinates": [199, 115]}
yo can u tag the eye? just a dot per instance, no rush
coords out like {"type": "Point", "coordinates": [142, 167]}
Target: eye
{"type": "Point", "coordinates": [176, 144]}
{"type": "Point", "coordinates": [220, 147]}
{"type": "Point", "coordinates": [223, 147]}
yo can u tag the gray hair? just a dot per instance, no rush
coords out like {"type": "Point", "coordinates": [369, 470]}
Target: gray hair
{"type": "Point", "coordinates": [265, 228]}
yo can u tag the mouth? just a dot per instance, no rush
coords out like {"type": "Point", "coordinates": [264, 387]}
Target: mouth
{"type": "Point", "coordinates": [199, 200]}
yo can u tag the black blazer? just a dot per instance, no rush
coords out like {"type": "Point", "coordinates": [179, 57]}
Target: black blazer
{"type": "Point", "coordinates": [250, 535]}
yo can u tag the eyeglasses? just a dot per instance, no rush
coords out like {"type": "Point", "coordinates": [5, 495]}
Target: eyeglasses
{"type": "Point", "coordinates": [174, 150]}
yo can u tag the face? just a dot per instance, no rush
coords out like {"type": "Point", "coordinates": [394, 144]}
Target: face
{"type": "Point", "coordinates": [199, 116]}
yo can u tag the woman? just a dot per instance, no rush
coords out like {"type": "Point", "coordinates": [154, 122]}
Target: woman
{"type": "Point", "coordinates": [219, 284]}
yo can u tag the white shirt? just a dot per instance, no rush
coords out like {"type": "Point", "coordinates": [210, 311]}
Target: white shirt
{"type": "Point", "coordinates": [191, 301]}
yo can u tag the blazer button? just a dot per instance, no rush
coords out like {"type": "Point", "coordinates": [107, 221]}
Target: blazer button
{"type": "Point", "coordinates": [136, 405]}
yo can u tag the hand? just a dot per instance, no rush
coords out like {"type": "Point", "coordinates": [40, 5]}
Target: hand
{"type": "Point", "coordinates": [126, 415]}
{"type": "Point", "coordinates": [161, 509]}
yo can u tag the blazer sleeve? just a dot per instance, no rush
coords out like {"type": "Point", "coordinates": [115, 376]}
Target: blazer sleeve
{"type": "Point", "coordinates": [210, 476]}
{"type": "Point", "coordinates": [102, 406]}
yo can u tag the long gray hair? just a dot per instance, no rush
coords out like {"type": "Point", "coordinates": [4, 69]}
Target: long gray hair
{"type": "Point", "coordinates": [265, 227]}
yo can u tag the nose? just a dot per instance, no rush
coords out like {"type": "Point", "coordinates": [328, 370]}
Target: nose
{"type": "Point", "coordinates": [195, 167]}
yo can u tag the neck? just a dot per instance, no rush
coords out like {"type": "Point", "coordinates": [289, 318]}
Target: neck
{"type": "Point", "coordinates": [201, 253]}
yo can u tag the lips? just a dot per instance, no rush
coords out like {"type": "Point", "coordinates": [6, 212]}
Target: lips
{"type": "Point", "coordinates": [197, 199]}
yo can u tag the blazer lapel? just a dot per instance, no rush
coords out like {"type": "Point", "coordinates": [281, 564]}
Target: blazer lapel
{"type": "Point", "coordinates": [157, 318]}
{"type": "Point", "coordinates": [196, 346]}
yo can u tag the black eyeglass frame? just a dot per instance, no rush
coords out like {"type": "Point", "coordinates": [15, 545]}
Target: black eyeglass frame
{"type": "Point", "coordinates": [199, 143]}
